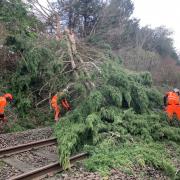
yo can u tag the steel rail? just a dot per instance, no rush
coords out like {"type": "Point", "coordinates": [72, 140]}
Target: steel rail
{"type": "Point", "coordinates": [26, 147]}
{"type": "Point", "coordinates": [49, 169]}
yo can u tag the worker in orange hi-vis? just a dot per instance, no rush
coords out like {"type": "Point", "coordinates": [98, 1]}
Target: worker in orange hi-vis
{"type": "Point", "coordinates": [172, 97]}
{"type": "Point", "coordinates": [54, 103]}
{"type": "Point", "coordinates": [3, 103]}
{"type": "Point", "coordinates": [172, 103]}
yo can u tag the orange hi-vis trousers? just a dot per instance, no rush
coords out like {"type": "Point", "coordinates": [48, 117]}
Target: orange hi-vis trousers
{"type": "Point", "coordinates": [172, 110]}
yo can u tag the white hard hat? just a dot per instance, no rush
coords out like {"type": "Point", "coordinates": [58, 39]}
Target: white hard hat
{"type": "Point", "coordinates": [176, 90]}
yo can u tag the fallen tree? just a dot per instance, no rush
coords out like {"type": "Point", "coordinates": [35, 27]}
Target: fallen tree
{"type": "Point", "coordinates": [123, 111]}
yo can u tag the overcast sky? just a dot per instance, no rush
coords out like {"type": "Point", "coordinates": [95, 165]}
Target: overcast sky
{"type": "Point", "coordinates": [160, 12]}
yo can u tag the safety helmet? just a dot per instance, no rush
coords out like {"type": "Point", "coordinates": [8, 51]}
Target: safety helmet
{"type": "Point", "coordinates": [176, 90]}
{"type": "Point", "coordinates": [8, 96]}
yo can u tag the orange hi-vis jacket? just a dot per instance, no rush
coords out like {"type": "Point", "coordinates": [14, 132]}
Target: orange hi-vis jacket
{"type": "Point", "coordinates": [3, 104]}
{"type": "Point", "coordinates": [172, 98]}
{"type": "Point", "coordinates": [173, 105]}
{"type": "Point", "coordinates": [54, 104]}
{"type": "Point", "coordinates": [54, 101]}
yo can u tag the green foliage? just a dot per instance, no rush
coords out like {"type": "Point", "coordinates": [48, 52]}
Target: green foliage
{"type": "Point", "coordinates": [74, 136]}
{"type": "Point", "coordinates": [80, 14]}
{"type": "Point", "coordinates": [117, 119]}
{"type": "Point", "coordinates": [38, 71]}
{"type": "Point", "coordinates": [95, 101]}
{"type": "Point", "coordinates": [118, 112]}
{"type": "Point", "coordinates": [139, 99]}
{"type": "Point", "coordinates": [97, 41]}
{"type": "Point", "coordinates": [107, 156]}
{"type": "Point", "coordinates": [14, 128]}
{"type": "Point", "coordinates": [15, 16]}
{"type": "Point", "coordinates": [126, 89]}
{"type": "Point", "coordinates": [143, 78]}
{"type": "Point", "coordinates": [155, 98]}
{"type": "Point", "coordinates": [150, 126]}
{"type": "Point", "coordinates": [34, 67]}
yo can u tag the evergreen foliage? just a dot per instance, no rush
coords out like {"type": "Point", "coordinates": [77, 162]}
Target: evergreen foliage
{"type": "Point", "coordinates": [128, 156]}
{"type": "Point", "coordinates": [120, 111]}
{"type": "Point", "coordinates": [120, 122]}
{"type": "Point", "coordinates": [20, 24]}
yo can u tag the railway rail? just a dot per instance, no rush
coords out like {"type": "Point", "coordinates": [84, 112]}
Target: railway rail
{"type": "Point", "coordinates": [49, 169]}
{"type": "Point", "coordinates": [7, 155]}
{"type": "Point", "coordinates": [26, 147]}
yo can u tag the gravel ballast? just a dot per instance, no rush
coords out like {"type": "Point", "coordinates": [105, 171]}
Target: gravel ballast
{"type": "Point", "coordinates": [7, 171]}
{"type": "Point", "coordinates": [13, 139]}
{"type": "Point", "coordinates": [77, 173]}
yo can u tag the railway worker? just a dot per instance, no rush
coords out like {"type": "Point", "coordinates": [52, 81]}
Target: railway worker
{"type": "Point", "coordinates": [177, 91]}
{"type": "Point", "coordinates": [60, 96]}
{"type": "Point", "coordinates": [172, 97]}
{"type": "Point", "coordinates": [172, 103]}
{"type": "Point", "coordinates": [3, 103]}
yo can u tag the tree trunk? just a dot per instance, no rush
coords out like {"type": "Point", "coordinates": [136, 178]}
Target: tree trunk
{"type": "Point", "coordinates": [58, 27]}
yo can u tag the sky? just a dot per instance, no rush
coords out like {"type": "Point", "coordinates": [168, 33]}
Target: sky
{"type": "Point", "coordinates": [160, 12]}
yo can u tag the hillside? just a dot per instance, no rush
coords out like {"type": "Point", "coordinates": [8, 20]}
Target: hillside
{"type": "Point", "coordinates": [109, 74]}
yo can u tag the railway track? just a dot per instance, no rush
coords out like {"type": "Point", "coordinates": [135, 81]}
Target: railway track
{"type": "Point", "coordinates": [49, 169]}
{"type": "Point", "coordinates": [26, 169]}
{"type": "Point", "coordinates": [26, 147]}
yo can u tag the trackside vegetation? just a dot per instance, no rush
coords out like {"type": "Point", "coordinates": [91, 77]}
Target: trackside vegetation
{"type": "Point", "coordinates": [117, 113]}
{"type": "Point", "coordinates": [120, 124]}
